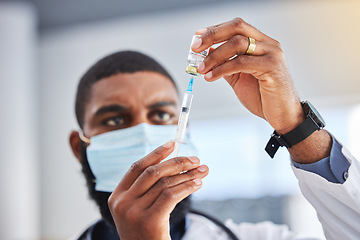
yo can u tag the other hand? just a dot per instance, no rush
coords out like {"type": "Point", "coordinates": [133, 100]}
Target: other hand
{"type": "Point", "coordinates": [142, 202]}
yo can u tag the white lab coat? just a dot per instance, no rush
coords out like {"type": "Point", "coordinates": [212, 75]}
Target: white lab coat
{"type": "Point", "coordinates": [337, 206]}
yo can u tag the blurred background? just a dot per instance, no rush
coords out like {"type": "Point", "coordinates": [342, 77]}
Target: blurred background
{"type": "Point", "coordinates": [45, 47]}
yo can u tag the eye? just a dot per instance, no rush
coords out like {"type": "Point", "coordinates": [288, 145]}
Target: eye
{"type": "Point", "coordinates": [161, 116]}
{"type": "Point", "coordinates": [115, 121]}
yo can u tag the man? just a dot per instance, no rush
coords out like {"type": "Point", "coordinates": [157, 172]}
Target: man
{"type": "Point", "coordinates": [127, 105]}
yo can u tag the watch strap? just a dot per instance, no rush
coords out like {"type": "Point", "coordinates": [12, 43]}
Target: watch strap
{"type": "Point", "coordinates": [301, 132]}
{"type": "Point", "coordinates": [273, 145]}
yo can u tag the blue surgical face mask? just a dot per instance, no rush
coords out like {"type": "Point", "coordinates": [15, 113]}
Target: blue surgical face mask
{"type": "Point", "coordinates": [111, 154]}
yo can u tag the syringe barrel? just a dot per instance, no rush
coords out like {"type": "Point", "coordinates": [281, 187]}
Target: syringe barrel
{"type": "Point", "coordinates": [184, 117]}
{"type": "Point", "coordinates": [187, 100]}
{"type": "Point", "coordinates": [181, 130]}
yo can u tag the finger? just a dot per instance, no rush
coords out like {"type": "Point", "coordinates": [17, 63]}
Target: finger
{"type": "Point", "coordinates": [167, 182]}
{"type": "Point", "coordinates": [223, 32]}
{"type": "Point", "coordinates": [154, 173]}
{"type": "Point", "coordinates": [170, 197]}
{"type": "Point", "coordinates": [236, 45]}
{"type": "Point", "coordinates": [201, 31]}
{"type": "Point", "coordinates": [211, 49]}
{"type": "Point", "coordinates": [255, 65]}
{"type": "Point", "coordinates": [138, 167]}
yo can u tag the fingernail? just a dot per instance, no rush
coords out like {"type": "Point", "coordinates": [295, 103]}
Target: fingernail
{"type": "Point", "coordinates": [168, 144]}
{"type": "Point", "coordinates": [202, 168]}
{"type": "Point", "coordinates": [194, 159]}
{"type": "Point", "coordinates": [197, 44]}
{"type": "Point", "coordinates": [201, 31]}
{"type": "Point", "coordinates": [201, 66]}
{"type": "Point", "coordinates": [197, 181]}
{"type": "Point", "coordinates": [208, 75]}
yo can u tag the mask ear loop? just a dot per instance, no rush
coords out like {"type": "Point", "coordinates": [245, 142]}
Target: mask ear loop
{"type": "Point", "coordinates": [83, 138]}
{"type": "Point", "coordinates": [86, 140]}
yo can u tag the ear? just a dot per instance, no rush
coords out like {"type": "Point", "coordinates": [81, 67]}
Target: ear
{"type": "Point", "coordinates": [75, 142]}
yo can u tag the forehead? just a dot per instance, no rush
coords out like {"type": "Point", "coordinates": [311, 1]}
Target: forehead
{"type": "Point", "coordinates": [130, 89]}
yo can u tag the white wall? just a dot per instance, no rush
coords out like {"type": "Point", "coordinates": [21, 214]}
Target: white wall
{"type": "Point", "coordinates": [318, 39]}
{"type": "Point", "coordinates": [19, 200]}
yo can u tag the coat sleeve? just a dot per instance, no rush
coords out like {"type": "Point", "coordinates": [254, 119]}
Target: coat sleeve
{"type": "Point", "coordinates": [337, 204]}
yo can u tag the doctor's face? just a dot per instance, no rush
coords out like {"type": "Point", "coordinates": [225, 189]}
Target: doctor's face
{"type": "Point", "coordinates": [128, 99]}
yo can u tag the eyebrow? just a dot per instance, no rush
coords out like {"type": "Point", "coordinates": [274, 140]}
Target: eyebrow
{"type": "Point", "coordinates": [110, 108]}
{"type": "Point", "coordinates": [162, 104]}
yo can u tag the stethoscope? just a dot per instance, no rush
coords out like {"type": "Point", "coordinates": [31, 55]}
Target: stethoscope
{"type": "Point", "coordinates": [217, 222]}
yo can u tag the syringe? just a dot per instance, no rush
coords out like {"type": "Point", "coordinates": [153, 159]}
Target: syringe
{"type": "Point", "coordinates": [183, 118]}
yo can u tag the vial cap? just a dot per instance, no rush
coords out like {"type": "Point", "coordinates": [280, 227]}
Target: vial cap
{"type": "Point", "coordinates": [192, 70]}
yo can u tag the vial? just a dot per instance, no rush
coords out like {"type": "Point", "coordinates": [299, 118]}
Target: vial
{"type": "Point", "coordinates": [195, 59]}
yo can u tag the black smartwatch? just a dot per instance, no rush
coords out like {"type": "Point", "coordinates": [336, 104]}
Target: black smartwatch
{"type": "Point", "coordinates": [312, 123]}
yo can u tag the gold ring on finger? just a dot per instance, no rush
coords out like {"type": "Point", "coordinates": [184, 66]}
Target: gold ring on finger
{"type": "Point", "coordinates": [252, 46]}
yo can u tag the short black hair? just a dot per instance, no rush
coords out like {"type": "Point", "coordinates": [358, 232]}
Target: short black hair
{"type": "Point", "coordinates": [119, 62]}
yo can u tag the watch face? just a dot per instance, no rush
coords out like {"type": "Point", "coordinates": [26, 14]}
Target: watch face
{"type": "Point", "coordinates": [315, 114]}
